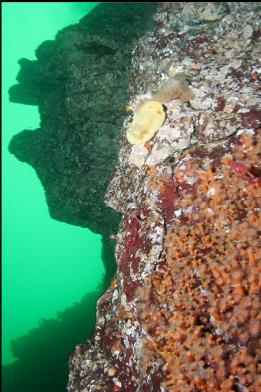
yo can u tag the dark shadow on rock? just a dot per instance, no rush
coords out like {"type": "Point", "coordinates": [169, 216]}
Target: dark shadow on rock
{"type": "Point", "coordinates": [42, 363]}
{"type": "Point", "coordinates": [80, 83]}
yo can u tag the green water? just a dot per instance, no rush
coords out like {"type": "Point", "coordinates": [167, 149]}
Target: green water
{"type": "Point", "coordinates": [48, 266]}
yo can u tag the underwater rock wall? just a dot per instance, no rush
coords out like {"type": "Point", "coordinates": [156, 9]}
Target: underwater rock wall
{"type": "Point", "coordinates": [79, 81]}
{"type": "Point", "coordinates": [183, 312]}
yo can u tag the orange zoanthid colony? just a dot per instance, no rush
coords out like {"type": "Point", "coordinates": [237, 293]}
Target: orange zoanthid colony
{"type": "Point", "coordinates": [201, 307]}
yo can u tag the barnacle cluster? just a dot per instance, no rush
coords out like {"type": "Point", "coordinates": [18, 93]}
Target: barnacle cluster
{"type": "Point", "coordinates": [201, 308]}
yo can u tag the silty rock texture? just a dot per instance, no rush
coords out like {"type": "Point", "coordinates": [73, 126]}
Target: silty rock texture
{"type": "Point", "coordinates": [183, 312]}
{"type": "Point", "coordinates": [80, 83]}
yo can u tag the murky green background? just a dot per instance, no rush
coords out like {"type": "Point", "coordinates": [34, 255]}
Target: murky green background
{"type": "Point", "coordinates": [48, 266]}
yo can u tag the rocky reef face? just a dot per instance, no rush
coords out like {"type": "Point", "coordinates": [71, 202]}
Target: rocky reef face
{"type": "Point", "coordinates": [80, 83]}
{"type": "Point", "coordinates": [183, 312]}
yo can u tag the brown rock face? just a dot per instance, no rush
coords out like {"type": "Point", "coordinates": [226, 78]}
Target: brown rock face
{"type": "Point", "coordinates": [183, 312]}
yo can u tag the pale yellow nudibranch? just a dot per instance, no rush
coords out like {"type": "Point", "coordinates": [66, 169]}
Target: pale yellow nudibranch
{"type": "Point", "coordinates": [146, 122]}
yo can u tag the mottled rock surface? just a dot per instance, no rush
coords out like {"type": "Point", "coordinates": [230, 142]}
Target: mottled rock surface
{"type": "Point", "coordinates": [80, 83]}
{"type": "Point", "coordinates": [183, 313]}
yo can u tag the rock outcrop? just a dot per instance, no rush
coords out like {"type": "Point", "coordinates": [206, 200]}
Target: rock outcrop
{"type": "Point", "coordinates": [80, 83]}
{"type": "Point", "coordinates": [183, 312]}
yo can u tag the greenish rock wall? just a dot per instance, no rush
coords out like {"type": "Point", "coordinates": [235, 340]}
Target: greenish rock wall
{"type": "Point", "coordinates": [80, 83]}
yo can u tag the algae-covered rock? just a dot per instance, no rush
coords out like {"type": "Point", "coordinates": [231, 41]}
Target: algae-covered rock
{"type": "Point", "coordinates": [80, 83]}
{"type": "Point", "coordinates": [183, 312]}
{"type": "Point", "coordinates": [183, 309]}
